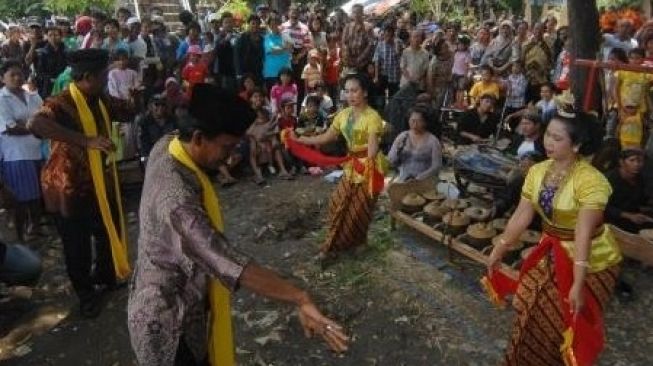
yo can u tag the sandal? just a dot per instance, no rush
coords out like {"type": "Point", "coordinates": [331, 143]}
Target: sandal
{"type": "Point", "coordinates": [228, 182]}
{"type": "Point", "coordinates": [259, 181]}
{"type": "Point", "coordinates": [286, 176]}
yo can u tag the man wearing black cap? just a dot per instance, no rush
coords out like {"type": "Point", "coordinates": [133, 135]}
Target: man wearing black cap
{"type": "Point", "coordinates": [184, 260]}
{"type": "Point", "coordinates": [77, 185]}
{"type": "Point", "coordinates": [155, 124]}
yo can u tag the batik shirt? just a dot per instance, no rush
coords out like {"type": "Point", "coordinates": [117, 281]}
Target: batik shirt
{"type": "Point", "coordinates": [178, 251]}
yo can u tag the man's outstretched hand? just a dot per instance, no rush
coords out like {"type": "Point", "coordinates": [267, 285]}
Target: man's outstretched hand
{"type": "Point", "coordinates": [314, 323]}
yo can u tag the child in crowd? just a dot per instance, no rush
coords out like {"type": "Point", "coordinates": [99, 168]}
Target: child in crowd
{"type": "Point", "coordinates": [462, 58]}
{"type": "Point", "coordinates": [195, 71]}
{"type": "Point", "coordinates": [248, 84]}
{"type": "Point", "coordinates": [285, 89]}
{"type": "Point", "coordinates": [312, 73]}
{"type": "Point", "coordinates": [311, 118]}
{"type": "Point", "coordinates": [547, 106]}
{"type": "Point", "coordinates": [257, 99]}
{"type": "Point", "coordinates": [264, 146]}
{"type": "Point", "coordinates": [487, 85]}
{"type": "Point", "coordinates": [633, 86]}
{"type": "Point", "coordinates": [630, 130]}
{"type": "Point", "coordinates": [516, 86]}
{"type": "Point", "coordinates": [332, 66]}
{"type": "Point", "coordinates": [286, 116]}
{"type": "Point", "coordinates": [287, 119]}
{"type": "Point", "coordinates": [122, 83]}
{"type": "Point", "coordinates": [326, 103]}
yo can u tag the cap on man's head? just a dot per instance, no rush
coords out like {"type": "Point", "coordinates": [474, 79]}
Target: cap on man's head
{"type": "Point", "coordinates": [90, 60]}
{"type": "Point", "coordinates": [215, 111]}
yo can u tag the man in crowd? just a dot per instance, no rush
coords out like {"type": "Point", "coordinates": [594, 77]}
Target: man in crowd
{"type": "Point", "coordinates": [478, 124]}
{"type": "Point", "coordinates": [249, 50]}
{"type": "Point", "coordinates": [81, 205]}
{"type": "Point", "coordinates": [155, 124]}
{"type": "Point", "coordinates": [620, 39]}
{"type": "Point", "coordinates": [300, 35]}
{"type": "Point", "coordinates": [225, 57]}
{"type": "Point", "coordinates": [36, 41]}
{"type": "Point", "coordinates": [357, 42]}
{"type": "Point", "coordinates": [50, 62]}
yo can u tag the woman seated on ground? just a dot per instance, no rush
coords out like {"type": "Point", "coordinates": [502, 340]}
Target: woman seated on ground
{"type": "Point", "coordinates": [416, 153]}
{"type": "Point", "coordinates": [264, 146]}
{"type": "Point", "coordinates": [625, 207]}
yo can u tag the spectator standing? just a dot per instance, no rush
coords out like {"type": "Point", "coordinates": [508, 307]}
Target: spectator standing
{"type": "Point", "coordinates": [300, 35]}
{"type": "Point", "coordinates": [332, 66]}
{"type": "Point", "coordinates": [312, 73]}
{"type": "Point", "coordinates": [286, 89]}
{"type": "Point", "coordinates": [250, 50]}
{"type": "Point", "coordinates": [622, 38]}
{"type": "Point", "coordinates": [225, 44]}
{"type": "Point", "coordinates": [440, 70]}
{"type": "Point", "coordinates": [194, 38]}
{"type": "Point", "coordinates": [98, 21]}
{"type": "Point", "coordinates": [154, 124]}
{"type": "Point", "coordinates": [537, 57]}
{"type": "Point", "coordinates": [36, 41]}
{"type": "Point", "coordinates": [387, 56]}
{"type": "Point", "coordinates": [12, 49]}
{"type": "Point", "coordinates": [414, 62]}
{"type": "Point", "coordinates": [113, 41]}
{"type": "Point", "coordinates": [20, 150]}
{"type": "Point", "coordinates": [195, 71]}
{"type": "Point", "coordinates": [277, 53]}
{"type": "Point", "coordinates": [50, 62]}
{"type": "Point", "coordinates": [478, 47]}
{"type": "Point", "coordinates": [357, 43]}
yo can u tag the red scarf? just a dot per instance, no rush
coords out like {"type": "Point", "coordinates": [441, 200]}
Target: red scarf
{"type": "Point", "coordinates": [580, 350]}
{"type": "Point", "coordinates": [366, 167]}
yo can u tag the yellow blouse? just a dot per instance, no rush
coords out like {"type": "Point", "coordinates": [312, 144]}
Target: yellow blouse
{"type": "Point", "coordinates": [584, 188]}
{"type": "Point", "coordinates": [357, 133]}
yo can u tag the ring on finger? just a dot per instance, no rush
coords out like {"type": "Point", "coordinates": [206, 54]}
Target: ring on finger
{"type": "Point", "coordinates": [328, 328]}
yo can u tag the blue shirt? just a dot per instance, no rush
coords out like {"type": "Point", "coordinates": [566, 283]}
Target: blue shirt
{"type": "Point", "coordinates": [274, 62]}
{"type": "Point", "coordinates": [183, 48]}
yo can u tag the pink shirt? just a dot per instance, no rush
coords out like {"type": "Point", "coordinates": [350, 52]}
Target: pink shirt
{"type": "Point", "coordinates": [279, 92]}
{"type": "Point", "coordinates": [461, 61]}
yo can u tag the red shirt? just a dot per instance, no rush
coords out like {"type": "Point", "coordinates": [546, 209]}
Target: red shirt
{"type": "Point", "coordinates": [286, 122]}
{"type": "Point", "coordinates": [332, 68]}
{"type": "Point", "coordinates": [194, 74]}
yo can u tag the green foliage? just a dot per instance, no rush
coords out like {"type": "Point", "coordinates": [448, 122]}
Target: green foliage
{"type": "Point", "coordinates": [608, 3]}
{"type": "Point", "coordinates": [12, 9]}
{"type": "Point", "coordinates": [72, 7]}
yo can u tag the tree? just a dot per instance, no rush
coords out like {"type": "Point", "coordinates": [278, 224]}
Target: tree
{"type": "Point", "coordinates": [77, 6]}
{"type": "Point", "coordinates": [13, 9]}
{"type": "Point", "coordinates": [585, 44]}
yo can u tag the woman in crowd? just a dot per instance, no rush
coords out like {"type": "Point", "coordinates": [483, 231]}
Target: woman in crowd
{"type": "Point", "coordinates": [352, 203]}
{"type": "Point", "coordinates": [417, 153]}
{"type": "Point", "coordinates": [480, 45]}
{"type": "Point", "coordinates": [20, 151]}
{"type": "Point", "coordinates": [499, 52]}
{"type": "Point", "coordinates": [570, 275]}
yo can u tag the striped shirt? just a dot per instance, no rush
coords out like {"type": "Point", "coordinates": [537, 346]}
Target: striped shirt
{"type": "Point", "coordinates": [387, 56]}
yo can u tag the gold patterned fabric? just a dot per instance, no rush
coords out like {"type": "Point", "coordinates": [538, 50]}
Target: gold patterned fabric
{"type": "Point", "coordinates": [350, 214]}
{"type": "Point", "coordinates": [584, 188]}
{"type": "Point", "coordinates": [539, 325]}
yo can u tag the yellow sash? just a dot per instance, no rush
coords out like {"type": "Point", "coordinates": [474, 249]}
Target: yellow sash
{"type": "Point", "coordinates": [118, 243]}
{"type": "Point", "coordinates": [221, 348]}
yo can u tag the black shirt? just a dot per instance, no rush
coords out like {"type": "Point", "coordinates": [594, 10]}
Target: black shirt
{"type": "Point", "coordinates": [151, 131]}
{"type": "Point", "coordinates": [471, 122]}
{"type": "Point", "coordinates": [626, 197]}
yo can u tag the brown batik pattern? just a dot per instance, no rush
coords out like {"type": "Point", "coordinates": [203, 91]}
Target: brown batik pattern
{"type": "Point", "coordinates": [349, 216]}
{"type": "Point", "coordinates": [539, 325]}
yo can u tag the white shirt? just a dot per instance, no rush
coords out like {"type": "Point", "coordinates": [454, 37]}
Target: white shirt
{"type": "Point", "coordinates": [13, 109]}
{"type": "Point", "coordinates": [525, 147]}
{"type": "Point", "coordinates": [611, 41]}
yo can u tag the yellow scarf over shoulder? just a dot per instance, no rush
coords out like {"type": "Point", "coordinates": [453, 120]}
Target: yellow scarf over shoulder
{"type": "Point", "coordinates": [118, 242]}
{"type": "Point", "coordinates": [221, 348]}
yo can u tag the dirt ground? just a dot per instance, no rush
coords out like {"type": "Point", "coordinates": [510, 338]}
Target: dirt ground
{"type": "Point", "coordinates": [402, 300]}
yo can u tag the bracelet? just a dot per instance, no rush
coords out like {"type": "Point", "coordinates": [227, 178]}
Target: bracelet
{"type": "Point", "coordinates": [584, 264]}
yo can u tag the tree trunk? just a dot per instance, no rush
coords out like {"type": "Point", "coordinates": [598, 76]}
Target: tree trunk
{"type": "Point", "coordinates": [585, 44]}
